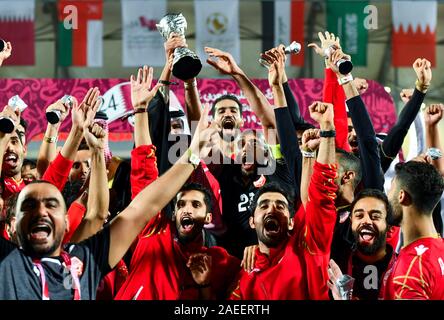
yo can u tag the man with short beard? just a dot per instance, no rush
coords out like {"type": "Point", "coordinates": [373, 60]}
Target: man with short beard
{"type": "Point", "coordinates": [293, 251]}
{"type": "Point", "coordinates": [418, 272]}
{"type": "Point", "coordinates": [370, 213]}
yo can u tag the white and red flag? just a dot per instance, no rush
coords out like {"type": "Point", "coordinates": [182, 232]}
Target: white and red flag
{"type": "Point", "coordinates": [17, 27]}
{"type": "Point", "coordinates": [414, 32]}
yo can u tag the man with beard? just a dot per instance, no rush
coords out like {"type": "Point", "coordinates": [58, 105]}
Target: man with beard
{"type": "Point", "coordinates": [42, 269]}
{"type": "Point", "coordinates": [418, 272]}
{"type": "Point", "coordinates": [370, 212]}
{"type": "Point", "coordinates": [171, 263]}
{"type": "Point", "coordinates": [293, 251]}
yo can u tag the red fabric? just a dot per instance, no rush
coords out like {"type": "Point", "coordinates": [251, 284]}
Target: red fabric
{"type": "Point", "coordinates": [10, 187]}
{"type": "Point", "coordinates": [58, 171]}
{"type": "Point", "coordinates": [418, 272]}
{"type": "Point", "coordinates": [112, 282]}
{"type": "Point", "coordinates": [20, 32]}
{"type": "Point", "coordinates": [143, 168]}
{"type": "Point", "coordinates": [410, 44]}
{"type": "Point", "coordinates": [393, 236]}
{"type": "Point", "coordinates": [75, 216]}
{"type": "Point", "coordinates": [334, 93]}
{"type": "Point", "coordinates": [159, 272]}
{"type": "Point", "coordinates": [3, 232]}
{"type": "Point", "coordinates": [298, 269]}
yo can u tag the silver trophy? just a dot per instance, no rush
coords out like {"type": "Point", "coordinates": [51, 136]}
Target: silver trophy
{"type": "Point", "coordinates": [54, 116]}
{"type": "Point", "coordinates": [344, 66]}
{"type": "Point", "coordinates": [7, 124]}
{"type": "Point", "coordinates": [293, 48]}
{"type": "Point", "coordinates": [345, 286]}
{"type": "Point", "coordinates": [186, 64]}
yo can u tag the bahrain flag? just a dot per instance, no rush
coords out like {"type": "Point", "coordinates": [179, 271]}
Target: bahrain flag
{"type": "Point", "coordinates": [414, 32]}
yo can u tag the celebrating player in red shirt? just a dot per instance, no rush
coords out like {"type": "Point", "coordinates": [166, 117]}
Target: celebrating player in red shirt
{"type": "Point", "coordinates": [418, 272]}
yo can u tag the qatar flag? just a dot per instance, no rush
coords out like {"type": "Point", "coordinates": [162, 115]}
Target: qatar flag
{"type": "Point", "coordinates": [17, 27]}
{"type": "Point", "coordinates": [414, 32]}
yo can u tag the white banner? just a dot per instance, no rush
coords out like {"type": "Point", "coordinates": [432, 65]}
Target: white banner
{"type": "Point", "coordinates": [141, 41]}
{"type": "Point", "coordinates": [217, 26]}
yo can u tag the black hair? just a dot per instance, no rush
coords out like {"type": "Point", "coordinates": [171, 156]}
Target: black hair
{"type": "Point", "coordinates": [198, 187]}
{"type": "Point", "coordinates": [422, 182]}
{"type": "Point", "coordinates": [377, 194]}
{"type": "Point", "coordinates": [226, 97]}
{"type": "Point", "coordinates": [349, 162]}
{"type": "Point", "coordinates": [30, 163]}
{"type": "Point", "coordinates": [23, 123]}
{"type": "Point", "coordinates": [272, 187]}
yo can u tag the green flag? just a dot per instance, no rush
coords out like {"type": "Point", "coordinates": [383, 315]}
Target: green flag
{"type": "Point", "coordinates": [346, 20]}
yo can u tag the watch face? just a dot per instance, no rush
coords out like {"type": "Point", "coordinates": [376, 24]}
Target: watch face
{"type": "Point", "coordinates": [194, 159]}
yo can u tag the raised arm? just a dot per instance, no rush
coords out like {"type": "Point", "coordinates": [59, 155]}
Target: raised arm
{"type": "Point", "coordinates": [98, 193]}
{"type": "Point", "coordinates": [320, 209]}
{"type": "Point", "coordinates": [58, 170]}
{"type": "Point", "coordinates": [143, 159]}
{"type": "Point", "coordinates": [225, 64]}
{"type": "Point", "coordinates": [393, 141]}
{"type": "Point", "coordinates": [372, 174]}
{"type": "Point", "coordinates": [432, 115]}
{"type": "Point", "coordinates": [310, 145]}
{"type": "Point", "coordinates": [332, 91]}
{"type": "Point", "coordinates": [48, 148]}
{"type": "Point", "coordinates": [130, 222]}
{"type": "Point", "coordinates": [286, 131]}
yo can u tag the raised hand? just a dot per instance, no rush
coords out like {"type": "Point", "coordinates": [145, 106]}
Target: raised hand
{"type": "Point", "coordinates": [361, 85]}
{"type": "Point", "coordinates": [200, 268]}
{"type": "Point", "coordinates": [321, 112]}
{"type": "Point", "coordinates": [94, 134]}
{"type": "Point", "coordinates": [223, 62]}
{"type": "Point", "coordinates": [276, 59]}
{"type": "Point", "coordinates": [327, 40]}
{"type": "Point", "coordinates": [311, 140]}
{"type": "Point", "coordinates": [141, 92]}
{"type": "Point", "coordinates": [174, 41]}
{"type": "Point", "coordinates": [333, 59]}
{"type": "Point", "coordinates": [406, 94]}
{"type": "Point", "coordinates": [6, 53]}
{"type": "Point", "coordinates": [423, 70]}
{"type": "Point", "coordinates": [334, 273]}
{"type": "Point", "coordinates": [11, 113]}
{"type": "Point", "coordinates": [206, 135]}
{"type": "Point", "coordinates": [79, 112]}
{"type": "Point", "coordinates": [60, 106]}
{"type": "Point", "coordinates": [433, 114]}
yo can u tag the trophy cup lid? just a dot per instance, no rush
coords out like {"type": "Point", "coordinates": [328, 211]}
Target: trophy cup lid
{"type": "Point", "coordinates": [172, 22]}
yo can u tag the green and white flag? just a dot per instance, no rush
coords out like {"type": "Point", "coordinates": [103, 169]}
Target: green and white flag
{"type": "Point", "coordinates": [346, 20]}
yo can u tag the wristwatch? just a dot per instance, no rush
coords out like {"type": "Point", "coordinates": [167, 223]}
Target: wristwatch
{"type": "Point", "coordinates": [327, 133]}
{"type": "Point", "coordinates": [193, 159]}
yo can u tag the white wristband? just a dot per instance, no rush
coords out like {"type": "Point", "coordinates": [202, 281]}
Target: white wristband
{"type": "Point", "coordinates": [345, 79]}
{"type": "Point", "coordinates": [308, 154]}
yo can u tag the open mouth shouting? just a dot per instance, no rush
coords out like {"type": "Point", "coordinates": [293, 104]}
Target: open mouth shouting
{"type": "Point", "coordinates": [187, 224]}
{"type": "Point", "coordinates": [272, 227]}
{"type": "Point", "coordinates": [10, 159]}
{"type": "Point", "coordinates": [367, 235]}
{"type": "Point", "coordinates": [247, 164]}
{"type": "Point", "coordinates": [40, 231]}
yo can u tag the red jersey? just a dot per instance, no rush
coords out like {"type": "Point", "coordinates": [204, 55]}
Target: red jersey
{"type": "Point", "coordinates": [334, 93]}
{"type": "Point", "coordinates": [158, 268]}
{"type": "Point", "coordinates": [418, 272]}
{"type": "Point", "coordinates": [297, 270]}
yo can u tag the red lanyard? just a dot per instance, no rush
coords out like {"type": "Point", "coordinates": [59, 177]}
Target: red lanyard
{"type": "Point", "coordinates": [75, 278]}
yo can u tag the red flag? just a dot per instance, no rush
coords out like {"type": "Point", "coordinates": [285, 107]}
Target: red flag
{"type": "Point", "coordinates": [17, 27]}
{"type": "Point", "coordinates": [414, 32]}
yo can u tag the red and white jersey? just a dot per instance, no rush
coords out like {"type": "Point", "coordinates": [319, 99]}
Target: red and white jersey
{"type": "Point", "coordinates": [418, 272]}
